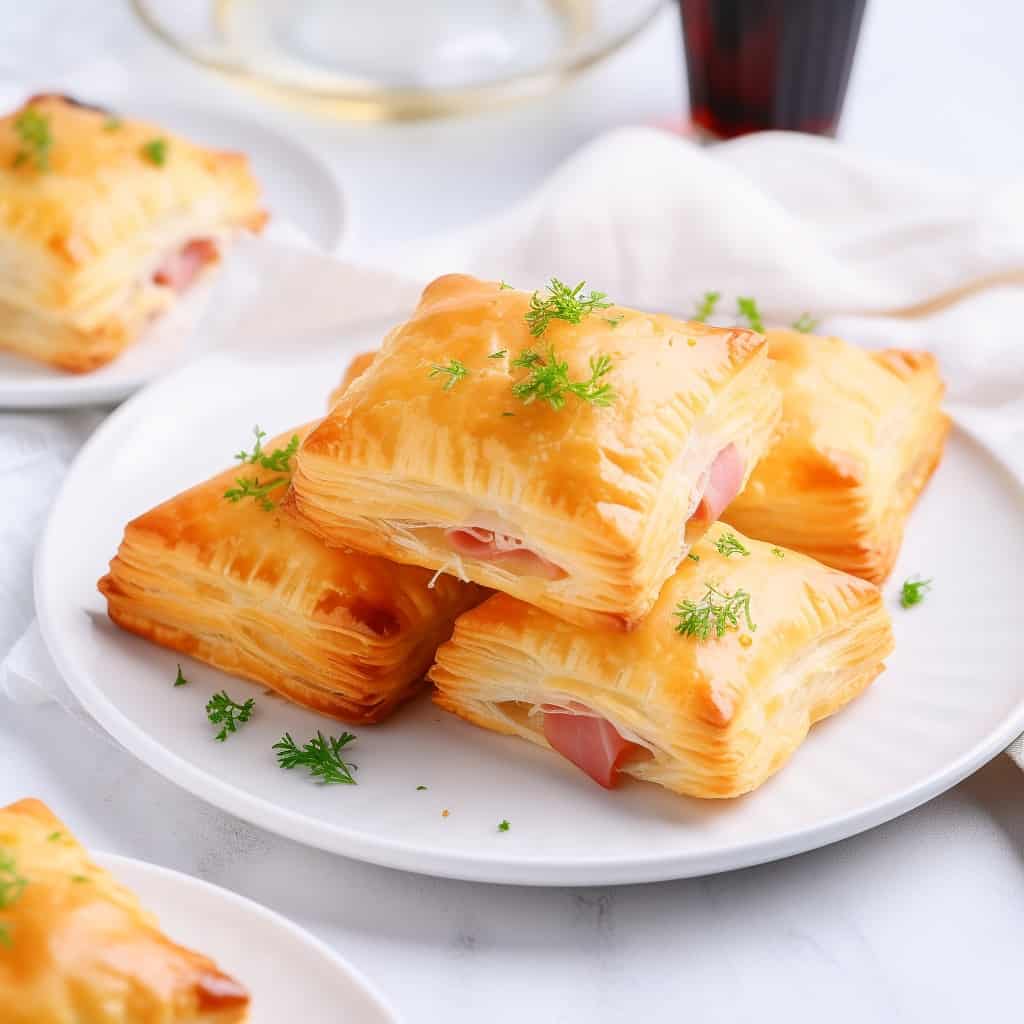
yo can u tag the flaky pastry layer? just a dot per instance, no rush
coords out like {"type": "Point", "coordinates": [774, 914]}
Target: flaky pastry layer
{"type": "Point", "coordinates": [82, 238]}
{"type": "Point", "coordinates": [80, 948]}
{"type": "Point", "coordinates": [601, 492]}
{"type": "Point", "coordinates": [860, 435]}
{"type": "Point", "coordinates": [246, 590]}
{"type": "Point", "coordinates": [712, 718]}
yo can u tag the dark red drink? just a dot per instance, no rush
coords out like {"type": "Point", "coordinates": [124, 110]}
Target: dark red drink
{"type": "Point", "coordinates": [759, 64]}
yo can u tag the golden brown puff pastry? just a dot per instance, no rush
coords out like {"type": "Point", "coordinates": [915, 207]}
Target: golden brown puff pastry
{"type": "Point", "coordinates": [359, 365]}
{"type": "Point", "coordinates": [102, 229]}
{"type": "Point", "coordinates": [248, 591]}
{"type": "Point", "coordinates": [860, 435]}
{"type": "Point", "coordinates": [584, 510]}
{"type": "Point", "coordinates": [76, 947]}
{"type": "Point", "coordinates": [708, 718]}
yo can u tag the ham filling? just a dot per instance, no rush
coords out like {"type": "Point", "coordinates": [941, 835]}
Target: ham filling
{"type": "Point", "coordinates": [720, 484]}
{"type": "Point", "coordinates": [724, 481]}
{"type": "Point", "coordinates": [592, 743]}
{"type": "Point", "coordinates": [494, 546]}
{"type": "Point", "coordinates": [183, 265]}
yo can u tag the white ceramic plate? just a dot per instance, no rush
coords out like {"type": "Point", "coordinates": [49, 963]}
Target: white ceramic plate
{"type": "Point", "coordinates": [289, 974]}
{"type": "Point", "coordinates": [952, 697]}
{"type": "Point", "coordinates": [298, 188]}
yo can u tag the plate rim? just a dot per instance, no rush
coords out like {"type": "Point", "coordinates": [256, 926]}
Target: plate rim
{"type": "Point", "coordinates": [472, 867]}
{"type": "Point", "coordinates": [73, 390]}
{"type": "Point", "coordinates": [113, 861]}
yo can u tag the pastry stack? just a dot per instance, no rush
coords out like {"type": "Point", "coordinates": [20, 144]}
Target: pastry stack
{"type": "Point", "coordinates": [649, 545]}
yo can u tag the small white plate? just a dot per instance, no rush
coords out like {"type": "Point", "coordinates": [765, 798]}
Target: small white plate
{"type": "Point", "coordinates": [298, 188]}
{"type": "Point", "coordinates": [289, 974]}
{"type": "Point", "coordinates": [951, 698]}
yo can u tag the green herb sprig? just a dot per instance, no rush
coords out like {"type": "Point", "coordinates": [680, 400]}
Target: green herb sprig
{"type": "Point", "coordinates": [913, 592]}
{"type": "Point", "coordinates": [706, 306]}
{"type": "Point", "coordinates": [179, 679]}
{"type": "Point", "coordinates": [321, 756]}
{"type": "Point", "coordinates": [503, 826]}
{"type": "Point", "coordinates": [228, 714]}
{"type": "Point", "coordinates": [12, 885]}
{"type": "Point", "coordinates": [277, 461]}
{"type": "Point", "coordinates": [729, 544]}
{"type": "Point", "coordinates": [715, 613]}
{"type": "Point", "coordinates": [33, 129]}
{"type": "Point", "coordinates": [562, 303]}
{"type": "Point", "coordinates": [155, 152]}
{"type": "Point", "coordinates": [746, 309]}
{"type": "Point", "coordinates": [778, 553]}
{"type": "Point", "coordinates": [548, 380]}
{"type": "Point", "coordinates": [454, 371]}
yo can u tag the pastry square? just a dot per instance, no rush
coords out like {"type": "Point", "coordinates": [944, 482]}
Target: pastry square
{"type": "Point", "coordinates": [76, 947]}
{"type": "Point", "coordinates": [103, 222]}
{"type": "Point", "coordinates": [861, 433]}
{"type": "Point", "coordinates": [241, 587]}
{"type": "Point", "coordinates": [709, 696]}
{"type": "Point", "coordinates": [570, 469]}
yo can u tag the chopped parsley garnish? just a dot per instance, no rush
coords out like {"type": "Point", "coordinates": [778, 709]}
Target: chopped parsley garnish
{"type": "Point", "coordinates": [508, 414]}
{"type": "Point", "coordinates": [155, 151]}
{"type": "Point", "coordinates": [179, 679]}
{"type": "Point", "coordinates": [504, 286]}
{"type": "Point", "coordinates": [54, 836]}
{"type": "Point", "coordinates": [706, 306]}
{"type": "Point", "coordinates": [729, 544]}
{"type": "Point", "coordinates": [418, 788]}
{"type": "Point", "coordinates": [498, 354]}
{"type": "Point", "coordinates": [321, 756]}
{"type": "Point", "coordinates": [714, 614]}
{"type": "Point", "coordinates": [228, 714]}
{"type": "Point", "coordinates": [613, 321]}
{"type": "Point", "coordinates": [746, 309]}
{"type": "Point", "coordinates": [278, 461]}
{"type": "Point", "coordinates": [912, 592]}
{"type": "Point", "coordinates": [778, 553]}
{"type": "Point", "coordinates": [12, 885]}
{"type": "Point", "coordinates": [79, 878]}
{"type": "Point", "coordinates": [692, 557]}
{"type": "Point", "coordinates": [33, 129]}
{"type": "Point", "coordinates": [548, 380]}
{"type": "Point", "coordinates": [503, 826]}
{"type": "Point", "coordinates": [562, 303]}
{"type": "Point", "coordinates": [805, 323]}
{"type": "Point", "coordinates": [113, 123]}
{"type": "Point", "coordinates": [455, 371]}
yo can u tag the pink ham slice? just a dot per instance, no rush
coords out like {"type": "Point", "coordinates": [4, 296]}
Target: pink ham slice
{"type": "Point", "coordinates": [180, 269]}
{"type": "Point", "coordinates": [724, 482]}
{"type": "Point", "coordinates": [592, 743]}
{"type": "Point", "coordinates": [491, 546]}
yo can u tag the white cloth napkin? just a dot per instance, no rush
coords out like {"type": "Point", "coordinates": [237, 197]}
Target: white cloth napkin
{"type": "Point", "coordinates": [883, 254]}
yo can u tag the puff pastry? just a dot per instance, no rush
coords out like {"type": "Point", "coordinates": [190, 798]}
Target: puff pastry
{"type": "Point", "coordinates": [861, 433]}
{"type": "Point", "coordinates": [79, 949]}
{"type": "Point", "coordinates": [96, 236]}
{"type": "Point", "coordinates": [246, 590]}
{"type": "Point", "coordinates": [585, 510]}
{"type": "Point", "coordinates": [708, 718]}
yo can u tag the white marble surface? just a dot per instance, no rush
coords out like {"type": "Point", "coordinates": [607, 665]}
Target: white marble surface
{"type": "Point", "coordinates": [922, 919]}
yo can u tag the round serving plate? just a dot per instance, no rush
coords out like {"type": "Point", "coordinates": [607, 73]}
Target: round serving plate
{"type": "Point", "coordinates": [289, 974]}
{"type": "Point", "coordinates": [951, 698]}
{"type": "Point", "coordinates": [299, 190]}
{"type": "Point", "coordinates": [384, 59]}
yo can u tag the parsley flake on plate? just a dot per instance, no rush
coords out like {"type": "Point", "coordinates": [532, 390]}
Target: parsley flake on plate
{"type": "Point", "coordinates": [321, 756]}
{"type": "Point", "coordinates": [913, 591]}
{"type": "Point", "coordinates": [228, 714]}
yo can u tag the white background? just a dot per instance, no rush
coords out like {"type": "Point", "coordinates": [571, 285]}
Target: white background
{"type": "Point", "coordinates": [922, 919]}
